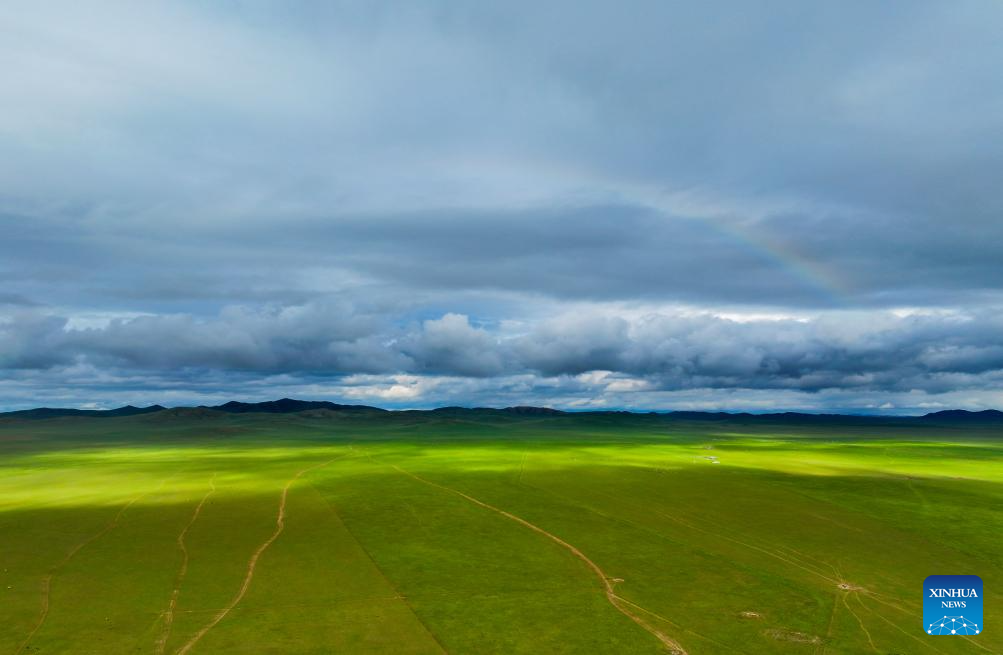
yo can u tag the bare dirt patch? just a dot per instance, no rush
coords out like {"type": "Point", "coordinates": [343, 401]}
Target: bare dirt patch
{"type": "Point", "coordinates": [846, 586]}
{"type": "Point", "coordinates": [781, 634]}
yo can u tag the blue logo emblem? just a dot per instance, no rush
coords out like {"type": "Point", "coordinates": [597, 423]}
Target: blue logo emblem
{"type": "Point", "coordinates": [952, 605]}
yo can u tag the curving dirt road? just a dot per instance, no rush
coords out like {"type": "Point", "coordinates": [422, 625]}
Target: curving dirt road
{"type": "Point", "coordinates": [621, 604]}
{"type": "Point", "coordinates": [169, 613]}
{"type": "Point", "coordinates": [47, 580]}
{"type": "Point", "coordinates": [280, 524]}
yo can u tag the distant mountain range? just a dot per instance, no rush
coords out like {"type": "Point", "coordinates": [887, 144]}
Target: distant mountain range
{"type": "Point", "coordinates": [289, 406]}
{"type": "Point", "coordinates": [962, 415]}
{"type": "Point", "coordinates": [55, 412]}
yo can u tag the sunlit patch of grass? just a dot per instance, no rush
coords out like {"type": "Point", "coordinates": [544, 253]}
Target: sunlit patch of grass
{"type": "Point", "coordinates": [370, 559]}
{"type": "Point", "coordinates": [105, 476]}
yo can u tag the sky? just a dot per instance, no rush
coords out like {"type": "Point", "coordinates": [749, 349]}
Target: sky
{"type": "Point", "coordinates": [585, 205]}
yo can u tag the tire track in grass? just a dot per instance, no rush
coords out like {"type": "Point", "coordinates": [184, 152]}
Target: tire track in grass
{"type": "Point", "coordinates": [859, 622]}
{"type": "Point", "coordinates": [688, 524]}
{"type": "Point", "coordinates": [631, 524]}
{"type": "Point", "coordinates": [776, 549]}
{"type": "Point", "coordinates": [892, 624]}
{"type": "Point", "coordinates": [620, 604]}
{"type": "Point", "coordinates": [975, 643]}
{"type": "Point", "coordinates": [876, 597]}
{"type": "Point", "coordinates": [678, 627]}
{"type": "Point", "coordinates": [764, 551]}
{"type": "Point", "coordinates": [280, 524]}
{"type": "Point", "coordinates": [780, 555]}
{"type": "Point", "coordinates": [183, 571]}
{"type": "Point", "coordinates": [397, 594]}
{"type": "Point", "coordinates": [47, 580]}
{"type": "Point", "coordinates": [797, 554]}
{"type": "Point", "coordinates": [828, 630]}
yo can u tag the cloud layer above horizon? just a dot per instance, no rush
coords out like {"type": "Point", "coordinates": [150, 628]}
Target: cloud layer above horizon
{"type": "Point", "coordinates": [652, 206]}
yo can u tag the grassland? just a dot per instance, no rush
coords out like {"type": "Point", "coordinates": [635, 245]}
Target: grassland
{"type": "Point", "coordinates": [407, 533]}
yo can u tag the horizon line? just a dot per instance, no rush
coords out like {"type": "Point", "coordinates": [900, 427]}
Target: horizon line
{"type": "Point", "coordinates": [640, 412]}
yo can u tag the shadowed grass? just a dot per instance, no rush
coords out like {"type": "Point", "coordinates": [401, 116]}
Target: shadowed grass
{"type": "Point", "coordinates": [805, 541]}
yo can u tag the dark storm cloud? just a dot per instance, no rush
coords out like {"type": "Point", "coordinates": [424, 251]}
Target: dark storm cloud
{"type": "Point", "coordinates": [880, 353]}
{"type": "Point", "coordinates": [296, 189]}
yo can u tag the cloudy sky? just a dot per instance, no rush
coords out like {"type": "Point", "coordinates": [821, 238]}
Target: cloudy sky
{"type": "Point", "coordinates": [649, 205]}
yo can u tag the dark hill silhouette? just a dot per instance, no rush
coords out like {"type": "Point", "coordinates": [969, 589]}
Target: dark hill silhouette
{"type": "Point", "coordinates": [289, 405]}
{"type": "Point", "coordinates": [183, 413]}
{"type": "Point", "coordinates": [326, 409]}
{"type": "Point", "coordinates": [523, 410]}
{"type": "Point", "coordinates": [965, 416]}
{"type": "Point", "coordinates": [56, 412]}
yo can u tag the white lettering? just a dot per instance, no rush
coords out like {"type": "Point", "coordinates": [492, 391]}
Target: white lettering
{"type": "Point", "coordinates": [953, 593]}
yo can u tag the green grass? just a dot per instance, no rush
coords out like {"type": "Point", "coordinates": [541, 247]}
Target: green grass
{"type": "Point", "coordinates": [383, 551]}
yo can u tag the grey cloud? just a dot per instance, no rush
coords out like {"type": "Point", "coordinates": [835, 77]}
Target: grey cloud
{"type": "Point", "coordinates": [607, 252]}
{"type": "Point", "coordinates": [451, 345]}
{"type": "Point", "coordinates": [467, 146]}
{"type": "Point", "coordinates": [327, 190]}
{"type": "Point", "coordinates": [315, 338]}
{"type": "Point", "coordinates": [880, 352]}
{"type": "Point", "coordinates": [30, 340]}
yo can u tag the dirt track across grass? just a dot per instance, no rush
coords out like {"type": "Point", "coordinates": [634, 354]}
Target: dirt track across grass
{"type": "Point", "coordinates": [280, 524]}
{"type": "Point", "coordinates": [183, 570]}
{"type": "Point", "coordinates": [616, 601]}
